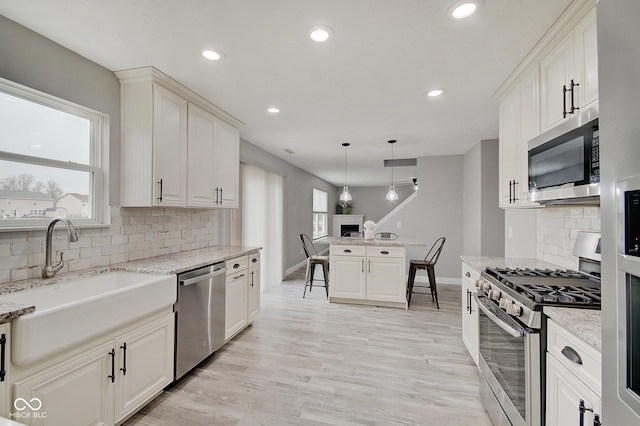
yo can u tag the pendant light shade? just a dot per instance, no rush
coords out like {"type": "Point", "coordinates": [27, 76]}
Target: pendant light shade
{"type": "Point", "coordinates": [345, 195]}
{"type": "Point", "coordinates": [392, 195]}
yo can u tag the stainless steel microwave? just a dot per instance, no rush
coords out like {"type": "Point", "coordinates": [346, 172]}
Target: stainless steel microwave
{"type": "Point", "coordinates": [564, 163]}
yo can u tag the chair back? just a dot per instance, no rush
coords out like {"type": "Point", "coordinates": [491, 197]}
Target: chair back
{"type": "Point", "coordinates": [386, 236]}
{"type": "Point", "coordinates": [307, 246]}
{"type": "Point", "coordinates": [435, 250]}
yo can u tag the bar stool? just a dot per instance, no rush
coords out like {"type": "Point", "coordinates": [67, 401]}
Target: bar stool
{"type": "Point", "coordinates": [314, 259]}
{"type": "Point", "coordinates": [428, 264]}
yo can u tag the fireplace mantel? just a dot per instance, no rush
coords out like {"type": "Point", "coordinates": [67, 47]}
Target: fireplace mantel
{"type": "Point", "coordinates": [346, 219]}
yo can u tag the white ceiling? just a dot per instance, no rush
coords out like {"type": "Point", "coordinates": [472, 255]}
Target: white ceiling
{"type": "Point", "coordinates": [365, 85]}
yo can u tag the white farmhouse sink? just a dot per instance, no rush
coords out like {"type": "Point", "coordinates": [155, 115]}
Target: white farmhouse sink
{"type": "Point", "coordinates": [78, 310]}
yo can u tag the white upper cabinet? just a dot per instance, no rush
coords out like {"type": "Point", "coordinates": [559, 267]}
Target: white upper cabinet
{"type": "Point", "coordinates": [227, 165]}
{"type": "Point", "coordinates": [519, 122]}
{"type": "Point", "coordinates": [202, 135]}
{"type": "Point", "coordinates": [538, 96]}
{"type": "Point", "coordinates": [177, 149]}
{"type": "Point", "coordinates": [569, 73]}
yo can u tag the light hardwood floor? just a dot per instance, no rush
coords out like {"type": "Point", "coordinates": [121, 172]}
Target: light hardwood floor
{"type": "Point", "coordinates": [308, 362]}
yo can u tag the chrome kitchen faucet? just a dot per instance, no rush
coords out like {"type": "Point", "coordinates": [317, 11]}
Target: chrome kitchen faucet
{"type": "Point", "coordinates": [49, 269]}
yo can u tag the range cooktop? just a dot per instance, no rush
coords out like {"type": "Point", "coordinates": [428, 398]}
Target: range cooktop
{"type": "Point", "coordinates": [548, 287]}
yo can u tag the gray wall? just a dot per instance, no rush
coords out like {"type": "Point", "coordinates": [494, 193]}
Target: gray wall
{"type": "Point", "coordinates": [39, 63]}
{"type": "Point", "coordinates": [619, 68]}
{"type": "Point", "coordinates": [483, 220]}
{"type": "Point", "coordinates": [370, 202]}
{"type": "Point", "coordinates": [437, 211]}
{"type": "Point", "coordinates": [298, 188]}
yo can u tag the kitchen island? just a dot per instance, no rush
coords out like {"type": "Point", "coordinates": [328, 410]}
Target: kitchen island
{"type": "Point", "coordinates": [368, 272]}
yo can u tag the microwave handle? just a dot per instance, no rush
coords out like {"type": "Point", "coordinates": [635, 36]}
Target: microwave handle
{"type": "Point", "coordinates": [487, 307]}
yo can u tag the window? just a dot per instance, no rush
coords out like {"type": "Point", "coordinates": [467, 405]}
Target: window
{"type": "Point", "coordinates": [53, 155]}
{"type": "Point", "coordinates": [320, 216]}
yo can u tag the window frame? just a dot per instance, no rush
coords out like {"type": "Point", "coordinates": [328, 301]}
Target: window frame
{"type": "Point", "coordinates": [316, 213]}
{"type": "Point", "coordinates": [99, 158]}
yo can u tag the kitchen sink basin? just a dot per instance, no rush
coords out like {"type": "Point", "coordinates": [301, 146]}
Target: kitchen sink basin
{"type": "Point", "coordinates": [84, 308]}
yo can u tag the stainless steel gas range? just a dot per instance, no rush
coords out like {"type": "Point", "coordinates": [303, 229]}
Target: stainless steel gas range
{"type": "Point", "coordinates": [512, 330]}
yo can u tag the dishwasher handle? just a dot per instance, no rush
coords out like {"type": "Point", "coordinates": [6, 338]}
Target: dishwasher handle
{"type": "Point", "coordinates": [199, 278]}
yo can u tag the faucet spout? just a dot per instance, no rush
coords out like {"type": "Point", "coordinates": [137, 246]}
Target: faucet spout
{"type": "Point", "coordinates": [51, 269]}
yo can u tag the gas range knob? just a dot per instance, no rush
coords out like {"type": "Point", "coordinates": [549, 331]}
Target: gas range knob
{"type": "Point", "coordinates": [505, 303]}
{"type": "Point", "coordinates": [484, 286]}
{"type": "Point", "coordinates": [514, 310]}
{"type": "Point", "coordinates": [479, 283]}
{"type": "Point", "coordinates": [494, 294]}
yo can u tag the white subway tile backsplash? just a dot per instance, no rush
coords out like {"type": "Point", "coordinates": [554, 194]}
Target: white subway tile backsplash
{"type": "Point", "coordinates": [557, 231]}
{"type": "Point", "coordinates": [135, 233]}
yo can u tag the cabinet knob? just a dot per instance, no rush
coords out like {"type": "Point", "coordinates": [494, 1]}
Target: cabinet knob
{"type": "Point", "coordinates": [467, 274]}
{"type": "Point", "coordinates": [384, 252]}
{"type": "Point", "coordinates": [347, 251]}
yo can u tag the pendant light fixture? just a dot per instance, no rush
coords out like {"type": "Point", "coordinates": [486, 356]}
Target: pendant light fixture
{"type": "Point", "coordinates": [392, 195]}
{"type": "Point", "coordinates": [346, 195]}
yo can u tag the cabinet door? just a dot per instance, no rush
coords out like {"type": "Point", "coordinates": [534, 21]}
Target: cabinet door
{"type": "Point", "coordinates": [144, 365]}
{"type": "Point", "coordinates": [254, 287]}
{"type": "Point", "coordinates": [227, 169]}
{"type": "Point", "coordinates": [529, 91]}
{"type": "Point", "coordinates": [507, 144]}
{"type": "Point", "coordinates": [200, 176]}
{"type": "Point", "coordinates": [564, 393]}
{"type": "Point", "coordinates": [169, 148]}
{"type": "Point", "coordinates": [77, 392]}
{"type": "Point", "coordinates": [386, 279]}
{"type": "Point", "coordinates": [236, 303]}
{"type": "Point", "coordinates": [470, 318]}
{"type": "Point", "coordinates": [556, 71]}
{"type": "Point", "coordinates": [347, 277]}
{"type": "Point", "coordinates": [586, 48]}
{"type": "Point", "coordinates": [5, 352]}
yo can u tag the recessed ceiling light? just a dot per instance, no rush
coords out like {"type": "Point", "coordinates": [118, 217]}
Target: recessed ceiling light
{"type": "Point", "coordinates": [212, 55]}
{"type": "Point", "coordinates": [435, 92]}
{"type": "Point", "coordinates": [320, 33]}
{"type": "Point", "coordinates": [273, 110]}
{"type": "Point", "coordinates": [465, 8]}
{"type": "Point", "coordinates": [36, 146]}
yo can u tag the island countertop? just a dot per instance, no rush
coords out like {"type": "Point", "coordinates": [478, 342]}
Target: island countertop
{"type": "Point", "coordinates": [359, 241]}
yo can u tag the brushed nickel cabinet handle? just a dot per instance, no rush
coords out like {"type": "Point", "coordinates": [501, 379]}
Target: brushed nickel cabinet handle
{"type": "Point", "coordinates": [571, 355]}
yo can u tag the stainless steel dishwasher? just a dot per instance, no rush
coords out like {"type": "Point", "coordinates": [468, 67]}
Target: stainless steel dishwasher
{"type": "Point", "coordinates": [200, 313]}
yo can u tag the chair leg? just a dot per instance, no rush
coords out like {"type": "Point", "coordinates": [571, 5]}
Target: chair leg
{"type": "Point", "coordinates": [432, 284]}
{"type": "Point", "coordinates": [307, 276]}
{"type": "Point", "coordinates": [313, 270]}
{"type": "Point", "coordinates": [412, 277]}
{"type": "Point", "coordinates": [325, 271]}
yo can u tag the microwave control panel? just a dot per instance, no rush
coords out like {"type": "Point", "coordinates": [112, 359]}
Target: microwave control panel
{"type": "Point", "coordinates": [595, 156]}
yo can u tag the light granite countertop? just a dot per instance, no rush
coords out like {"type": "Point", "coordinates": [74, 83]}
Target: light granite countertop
{"type": "Point", "coordinates": [168, 264]}
{"type": "Point", "coordinates": [583, 323]}
{"type": "Point", "coordinates": [358, 241]}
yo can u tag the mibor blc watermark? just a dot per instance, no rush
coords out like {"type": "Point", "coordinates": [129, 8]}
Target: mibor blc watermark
{"type": "Point", "coordinates": [30, 409]}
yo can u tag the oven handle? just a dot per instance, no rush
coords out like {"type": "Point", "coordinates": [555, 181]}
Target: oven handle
{"type": "Point", "coordinates": [507, 324]}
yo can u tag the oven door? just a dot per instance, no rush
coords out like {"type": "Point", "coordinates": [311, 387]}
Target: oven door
{"type": "Point", "coordinates": [510, 365]}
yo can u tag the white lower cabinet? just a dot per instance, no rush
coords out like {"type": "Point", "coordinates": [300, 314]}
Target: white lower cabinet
{"type": "Point", "coordinates": [253, 304]}
{"type": "Point", "coordinates": [5, 351]}
{"type": "Point", "coordinates": [144, 365]}
{"type": "Point", "coordinates": [100, 384]}
{"type": "Point", "coordinates": [573, 380]}
{"type": "Point", "coordinates": [368, 274]}
{"type": "Point", "coordinates": [470, 314]}
{"type": "Point", "coordinates": [242, 293]}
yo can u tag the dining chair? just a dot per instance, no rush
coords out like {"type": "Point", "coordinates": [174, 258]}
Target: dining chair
{"type": "Point", "coordinates": [428, 264]}
{"type": "Point", "coordinates": [314, 259]}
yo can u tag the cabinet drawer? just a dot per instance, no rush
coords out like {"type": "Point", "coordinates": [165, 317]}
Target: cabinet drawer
{"type": "Point", "coordinates": [470, 273]}
{"type": "Point", "coordinates": [340, 250]}
{"type": "Point", "coordinates": [385, 251]}
{"type": "Point", "coordinates": [254, 258]}
{"type": "Point", "coordinates": [236, 264]}
{"type": "Point", "coordinates": [559, 339]}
